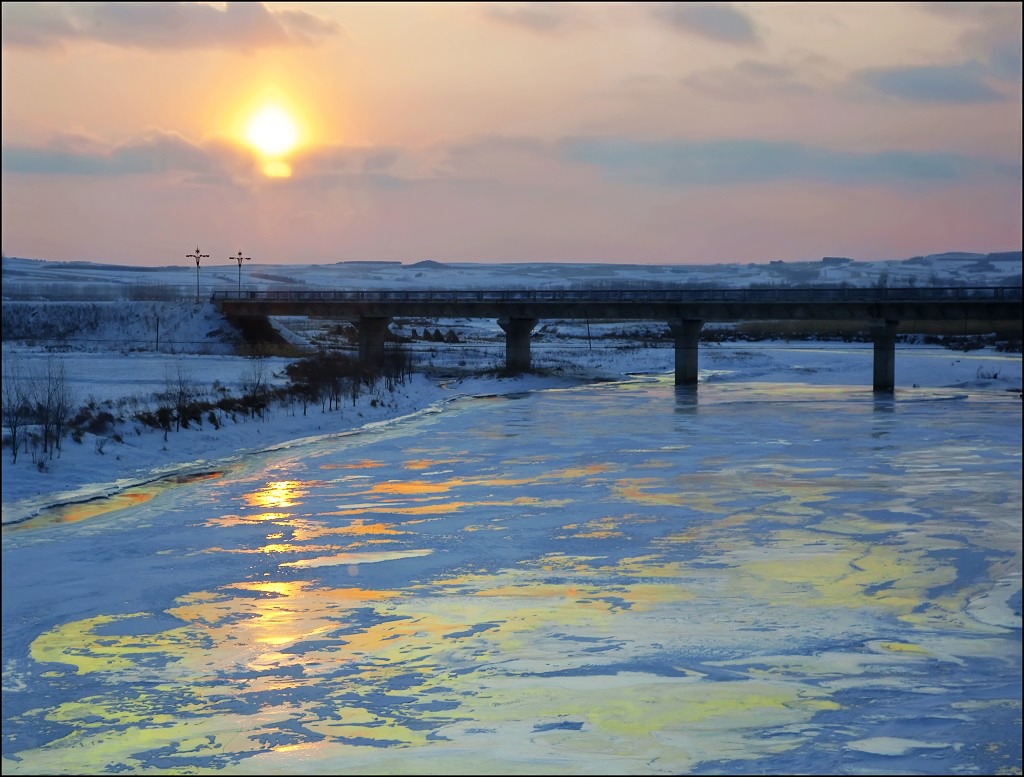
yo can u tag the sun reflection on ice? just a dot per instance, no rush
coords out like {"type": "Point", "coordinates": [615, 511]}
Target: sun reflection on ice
{"type": "Point", "coordinates": [278, 494]}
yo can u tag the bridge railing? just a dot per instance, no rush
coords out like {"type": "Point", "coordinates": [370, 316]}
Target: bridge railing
{"type": "Point", "coordinates": [783, 295]}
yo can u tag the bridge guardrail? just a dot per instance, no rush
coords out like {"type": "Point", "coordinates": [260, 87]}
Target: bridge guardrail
{"type": "Point", "coordinates": [783, 295]}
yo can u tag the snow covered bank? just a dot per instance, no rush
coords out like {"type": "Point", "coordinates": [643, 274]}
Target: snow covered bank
{"type": "Point", "coordinates": [102, 464]}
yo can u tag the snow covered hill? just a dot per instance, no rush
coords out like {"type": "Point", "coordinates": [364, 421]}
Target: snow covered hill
{"type": "Point", "coordinates": [38, 280]}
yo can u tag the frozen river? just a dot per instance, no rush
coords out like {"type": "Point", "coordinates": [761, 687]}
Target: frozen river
{"type": "Point", "coordinates": [623, 578]}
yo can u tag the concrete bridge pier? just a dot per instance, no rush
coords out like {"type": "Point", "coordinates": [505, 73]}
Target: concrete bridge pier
{"type": "Point", "coordinates": [517, 343]}
{"type": "Point", "coordinates": [884, 336]}
{"type": "Point", "coordinates": [372, 332]}
{"type": "Point", "coordinates": [687, 336]}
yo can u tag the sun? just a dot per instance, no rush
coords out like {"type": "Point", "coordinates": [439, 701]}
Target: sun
{"type": "Point", "coordinates": [272, 132]}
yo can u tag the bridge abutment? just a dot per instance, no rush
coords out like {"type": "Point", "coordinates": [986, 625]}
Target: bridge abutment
{"type": "Point", "coordinates": [884, 337]}
{"type": "Point", "coordinates": [517, 343]}
{"type": "Point", "coordinates": [687, 336]}
{"type": "Point", "coordinates": [372, 333]}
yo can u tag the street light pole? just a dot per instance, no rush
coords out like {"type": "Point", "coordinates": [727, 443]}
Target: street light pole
{"type": "Point", "coordinates": [197, 256]}
{"type": "Point", "coordinates": [240, 259]}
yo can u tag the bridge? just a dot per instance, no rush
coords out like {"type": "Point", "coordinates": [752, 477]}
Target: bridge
{"type": "Point", "coordinates": [684, 311]}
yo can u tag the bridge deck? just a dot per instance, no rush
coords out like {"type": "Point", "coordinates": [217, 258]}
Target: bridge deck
{"type": "Point", "coordinates": [841, 303]}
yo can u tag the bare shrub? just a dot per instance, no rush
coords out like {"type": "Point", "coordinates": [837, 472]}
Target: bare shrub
{"type": "Point", "coordinates": [181, 390]}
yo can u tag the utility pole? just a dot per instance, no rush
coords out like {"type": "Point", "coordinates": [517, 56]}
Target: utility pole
{"type": "Point", "coordinates": [240, 259]}
{"type": "Point", "coordinates": [197, 256]}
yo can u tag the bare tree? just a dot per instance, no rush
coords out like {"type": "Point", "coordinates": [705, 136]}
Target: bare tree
{"type": "Point", "coordinates": [51, 400]}
{"type": "Point", "coordinates": [17, 405]}
{"type": "Point", "coordinates": [255, 385]}
{"type": "Point", "coordinates": [42, 396]}
{"type": "Point", "coordinates": [62, 399]}
{"type": "Point", "coordinates": [42, 402]}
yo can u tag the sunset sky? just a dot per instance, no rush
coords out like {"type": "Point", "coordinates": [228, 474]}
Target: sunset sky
{"type": "Point", "coordinates": [658, 133]}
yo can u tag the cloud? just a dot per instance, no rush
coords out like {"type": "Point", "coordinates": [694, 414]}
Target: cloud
{"type": "Point", "coordinates": [238, 25]}
{"type": "Point", "coordinates": [1004, 59]}
{"type": "Point", "coordinates": [685, 163]}
{"type": "Point", "coordinates": [476, 161]}
{"type": "Point", "coordinates": [157, 153]}
{"type": "Point", "coordinates": [36, 25]}
{"type": "Point", "coordinates": [748, 80]}
{"type": "Point", "coordinates": [992, 36]}
{"type": "Point", "coordinates": [979, 11]}
{"type": "Point", "coordinates": [998, 47]}
{"type": "Point", "coordinates": [539, 16]}
{"type": "Point", "coordinates": [482, 152]}
{"type": "Point", "coordinates": [217, 163]}
{"type": "Point", "coordinates": [931, 83]}
{"type": "Point", "coordinates": [327, 166]}
{"type": "Point", "coordinates": [504, 162]}
{"type": "Point", "coordinates": [718, 21]}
